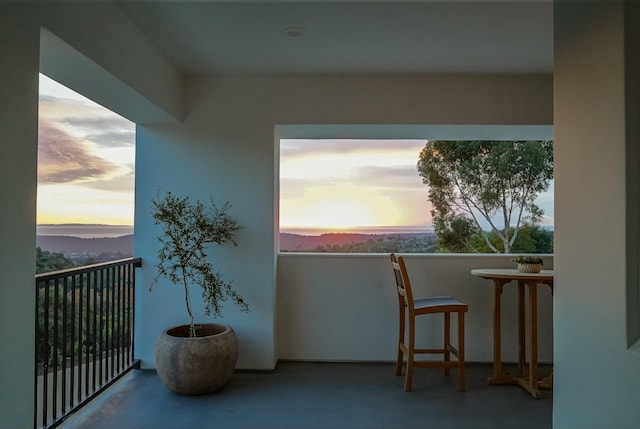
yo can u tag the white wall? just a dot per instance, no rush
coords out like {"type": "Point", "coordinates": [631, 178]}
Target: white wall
{"type": "Point", "coordinates": [597, 380]}
{"type": "Point", "coordinates": [18, 141]}
{"type": "Point", "coordinates": [345, 308]}
{"type": "Point", "coordinates": [226, 149]}
{"type": "Point", "coordinates": [94, 48]}
{"type": "Point", "coordinates": [20, 25]}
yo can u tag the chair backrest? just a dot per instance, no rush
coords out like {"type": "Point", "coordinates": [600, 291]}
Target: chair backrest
{"type": "Point", "coordinates": [403, 284]}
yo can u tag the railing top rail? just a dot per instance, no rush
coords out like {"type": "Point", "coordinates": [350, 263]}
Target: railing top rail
{"type": "Point", "coordinates": [137, 262]}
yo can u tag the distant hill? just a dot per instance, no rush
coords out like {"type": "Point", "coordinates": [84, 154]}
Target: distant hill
{"type": "Point", "coordinates": [80, 250]}
{"type": "Point", "coordinates": [299, 243]}
{"type": "Point", "coordinates": [355, 242]}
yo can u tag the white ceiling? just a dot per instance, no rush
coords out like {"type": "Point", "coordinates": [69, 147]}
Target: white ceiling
{"type": "Point", "coordinates": [247, 38]}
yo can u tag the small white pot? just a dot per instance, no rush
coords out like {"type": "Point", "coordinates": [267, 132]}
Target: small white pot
{"type": "Point", "coordinates": [529, 268]}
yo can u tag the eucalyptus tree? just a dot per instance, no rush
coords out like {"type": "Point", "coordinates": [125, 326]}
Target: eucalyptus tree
{"type": "Point", "coordinates": [479, 182]}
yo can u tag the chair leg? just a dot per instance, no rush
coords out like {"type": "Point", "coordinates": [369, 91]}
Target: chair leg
{"type": "Point", "coordinates": [447, 341]}
{"type": "Point", "coordinates": [461, 375]}
{"type": "Point", "coordinates": [408, 378]}
{"type": "Point", "coordinates": [400, 356]}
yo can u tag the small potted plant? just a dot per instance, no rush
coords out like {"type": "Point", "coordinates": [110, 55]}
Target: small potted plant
{"type": "Point", "coordinates": [194, 359]}
{"type": "Point", "coordinates": [529, 264]}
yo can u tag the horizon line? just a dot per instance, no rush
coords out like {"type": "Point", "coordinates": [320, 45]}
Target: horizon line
{"type": "Point", "coordinates": [82, 224]}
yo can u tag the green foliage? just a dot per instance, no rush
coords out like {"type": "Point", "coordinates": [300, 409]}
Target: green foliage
{"type": "Point", "coordinates": [386, 243]}
{"type": "Point", "coordinates": [187, 229]}
{"type": "Point", "coordinates": [484, 180]}
{"type": "Point", "coordinates": [530, 239]}
{"type": "Point", "coordinates": [455, 233]}
{"type": "Point", "coordinates": [47, 261]}
{"type": "Point", "coordinates": [79, 316]}
{"type": "Point", "coordinates": [522, 259]}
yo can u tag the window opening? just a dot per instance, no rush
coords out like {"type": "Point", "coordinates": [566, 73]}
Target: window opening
{"type": "Point", "coordinates": [368, 196]}
{"type": "Point", "coordinates": [86, 178]}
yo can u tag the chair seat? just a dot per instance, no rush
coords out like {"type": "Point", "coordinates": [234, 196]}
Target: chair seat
{"type": "Point", "coordinates": [437, 303]}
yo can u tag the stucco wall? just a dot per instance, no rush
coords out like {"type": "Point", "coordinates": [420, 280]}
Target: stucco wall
{"type": "Point", "coordinates": [226, 148]}
{"type": "Point", "coordinates": [597, 380]}
{"type": "Point", "coordinates": [344, 307]}
{"type": "Point", "coordinates": [18, 142]}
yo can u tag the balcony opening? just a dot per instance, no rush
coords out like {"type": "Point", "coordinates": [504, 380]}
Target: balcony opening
{"type": "Point", "coordinates": [85, 278]}
{"type": "Point", "coordinates": [375, 196]}
{"type": "Point", "coordinates": [86, 177]}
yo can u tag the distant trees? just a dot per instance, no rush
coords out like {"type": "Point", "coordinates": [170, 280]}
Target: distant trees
{"type": "Point", "coordinates": [386, 243]}
{"type": "Point", "coordinates": [51, 261]}
{"type": "Point", "coordinates": [486, 182]}
{"type": "Point", "coordinates": [531, 239]}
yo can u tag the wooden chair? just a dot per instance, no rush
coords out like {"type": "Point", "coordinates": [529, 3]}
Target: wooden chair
{"type": "Point", "coordinates": [410, 308]}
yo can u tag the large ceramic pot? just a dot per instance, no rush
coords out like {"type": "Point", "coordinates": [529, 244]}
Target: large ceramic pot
{"type": "Point", "coordinates": [200, 365]}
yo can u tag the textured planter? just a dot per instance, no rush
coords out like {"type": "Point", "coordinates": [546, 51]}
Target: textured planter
{"type": "Point", "coordinates": [196, 366]}
{"type": "Point", "coordinates": [529, 268]}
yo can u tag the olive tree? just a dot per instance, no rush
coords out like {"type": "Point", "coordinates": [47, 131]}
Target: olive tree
{"type": "Point", "coordinates": [187, 229]}
{"type": "Point", "coordinates": [478, 182]}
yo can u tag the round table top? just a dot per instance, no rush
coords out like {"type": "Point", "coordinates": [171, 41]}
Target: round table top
{"type": "Point", "coordinates": [511, 273]}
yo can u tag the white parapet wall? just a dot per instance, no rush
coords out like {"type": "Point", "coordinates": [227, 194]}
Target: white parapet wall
{"type": "Point", "coordinates": [343, 307]}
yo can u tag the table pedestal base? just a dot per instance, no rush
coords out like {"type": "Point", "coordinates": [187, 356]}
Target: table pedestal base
{"type": "Point", "coordinates": [527, 375]}
{"type": "Point", "coordinates": [525, 382]}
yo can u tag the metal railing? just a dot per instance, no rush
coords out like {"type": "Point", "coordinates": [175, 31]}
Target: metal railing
{"type": "Point", "coordinates": [84, 335]}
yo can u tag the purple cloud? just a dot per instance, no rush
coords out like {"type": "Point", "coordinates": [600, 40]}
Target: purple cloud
{"type": "Point", "coordinates": [63, 159]}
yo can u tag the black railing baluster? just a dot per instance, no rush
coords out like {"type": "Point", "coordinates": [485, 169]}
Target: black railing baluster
{"type": "Point", "coordinates": [45, 334]}
{"type": "Point", "coordinates": [95, 328]}
{"type": "Point", "coordinates": [107, 324]}
{"type": "Point", "coordinates": [122, 316]}
{"type": "Point", "coordinates": [113, 319]}
{"type": "Point", "coordinates": [87, 339]}
{"type": "Point", "coordinates": [116, 324]}
{"type": "Point", "coordinates": [37, 338]}
{"type": "Point", "coordinates": [100, 336]}
{"type": "Point", "coordinates": [80, 336]}
{"type": "Point", "coordinates": [73, 342]}
{"type": "Point", "coordinates": [131, 308]}
{"type": "Point", "coordinates": [65, 353]}
{"type": "Point", "coordinates": [127, 303]}
{"type": "Point", "coordinates": [74, 322]}
{"type": "Point", "coordinates": [54, 381]}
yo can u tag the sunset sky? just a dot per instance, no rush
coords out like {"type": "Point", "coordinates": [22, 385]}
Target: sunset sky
{"type": "Point", "coordinates": [342, 184]}
{"type": "Point", "coordinates": [86, 161]}
{"type": "Point", "coordinates": [351, 183]}
{"type": "Point", "coordinates": [86, 158]}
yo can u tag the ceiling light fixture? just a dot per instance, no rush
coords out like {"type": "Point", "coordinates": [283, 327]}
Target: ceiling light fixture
{"type": "Point", "coordinates": [294, 32]}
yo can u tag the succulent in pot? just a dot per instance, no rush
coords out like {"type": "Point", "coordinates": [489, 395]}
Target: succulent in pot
{"type": "Point", "coordinates": [529, 264]}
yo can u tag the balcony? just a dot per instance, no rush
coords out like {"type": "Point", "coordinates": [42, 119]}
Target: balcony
{"type": "Point", "coordinates": [329, 371]}
{"type": "Point", "coordinates": [300, 395]}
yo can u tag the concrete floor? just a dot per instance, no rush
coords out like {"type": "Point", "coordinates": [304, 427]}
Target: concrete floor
{"type": "Point", "coordinates": [312, 395]}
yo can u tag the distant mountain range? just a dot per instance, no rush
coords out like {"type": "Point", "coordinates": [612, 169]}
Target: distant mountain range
{"type": "Point", "coordinates": [300, 243]}
{"type": "Point", "coordinates": [81, 250]}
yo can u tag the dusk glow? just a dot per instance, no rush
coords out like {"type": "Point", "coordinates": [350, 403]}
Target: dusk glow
{"type": "Point", "coordinates": [367, 185]}
{"type": "Point", "coordinates": [342, 184]}
{"type": "Point", "coordinates": [86, 162]}
{"type": "Point", "coordinates": [86, 157]}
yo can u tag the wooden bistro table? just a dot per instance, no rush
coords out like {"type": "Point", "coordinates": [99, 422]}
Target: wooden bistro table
{"type": "Point", "coordinates": [501, 277]}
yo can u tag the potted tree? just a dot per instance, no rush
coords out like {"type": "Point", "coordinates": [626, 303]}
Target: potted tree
{"type": "Point", "coordinates": [195, 359]}
{"type": "Point", "coordinates": [529, 264]}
